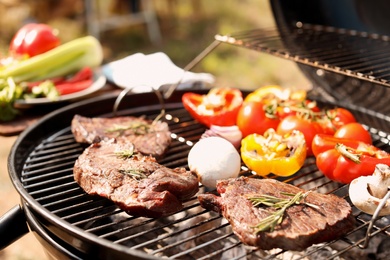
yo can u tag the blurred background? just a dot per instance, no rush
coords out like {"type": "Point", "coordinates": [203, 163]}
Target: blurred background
{"type": "Point", "coordinates": [180, 28]}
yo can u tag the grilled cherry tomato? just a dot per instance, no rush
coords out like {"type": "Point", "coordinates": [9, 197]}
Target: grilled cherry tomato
{"type": "Point", "coordinates": [344, 164]}
{"type": "Point", "coordinates": [219, 107]}
{"type": "Point", "coordinates": [273, 153]}
{"type": "Point", "coordinates": [252, 118]}
{"type": "Point", "coordinates": [33, 39]}
{"type": "Point", "coordinates": [340, 116]}
{"type": "Point", "coordinates": [335, 118]}
{"type": "Point", "coordinates": [308, 127]}
{"type": "Point", "coordinates": [354, 131]}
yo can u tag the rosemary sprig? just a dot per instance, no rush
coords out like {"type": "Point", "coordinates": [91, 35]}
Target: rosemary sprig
{"type": "Point", "coordinates": [125, 154]}
{"type": "Point", "coordinates": [138, 128]}
{"type": "Point", "coordinates": [136, 174]}
{"type": "Point", "coordinates": [282, 204]}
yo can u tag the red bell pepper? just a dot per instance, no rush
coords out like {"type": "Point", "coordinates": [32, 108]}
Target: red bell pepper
{"type": "Point", "coordinates": [343, 160]}
{"type": "Point", "coordinates": [324, 142]}
{"type": "Point", "coordinates": [81, 80]}
{"type": "Point", "coordinates": [33, 39]}
{"type": "Point", "coordinates": [219, 107]}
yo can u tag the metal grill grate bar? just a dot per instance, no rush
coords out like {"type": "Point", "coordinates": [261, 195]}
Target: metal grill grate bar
{"type": "Point", "coordinates": [194, 231]}
{"type": "Point", "coordinates": [347, 52]}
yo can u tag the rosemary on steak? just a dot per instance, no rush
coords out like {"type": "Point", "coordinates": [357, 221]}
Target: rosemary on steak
{"type": "Point", "coordinates": [125, 154]}
{"type": "Point", "coordinates": [281, 204]}
{"type": "Point", "coordinates": [134, 173]}
{"type": "Point", "coordinates": [138, 128]}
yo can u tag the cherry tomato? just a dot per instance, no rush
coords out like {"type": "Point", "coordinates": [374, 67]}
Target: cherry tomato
{"type": "Point", "coordinates": [333, 119]}
{"type": "Point", "coordinates": [354, 131]}
{"type": "Point", "coordinates": [307, 127]}
{"type": "Point", "coordinates": [341, 116]}
{"type": "Point", "coordinates": [252, 119]}
{"type": "Point", "coordinates": [33, 39]}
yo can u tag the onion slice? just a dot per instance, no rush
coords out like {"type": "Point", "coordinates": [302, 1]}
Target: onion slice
{"type": "Point", "coordinates": [230, 133]}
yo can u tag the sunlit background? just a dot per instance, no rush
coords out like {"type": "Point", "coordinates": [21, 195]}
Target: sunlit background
{"type": "Point", "coordinates": [180, 28]}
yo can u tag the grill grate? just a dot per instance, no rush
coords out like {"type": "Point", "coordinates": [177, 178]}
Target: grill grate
{"type": "Point", "coordinates": [348, 65]}
{"type": "Point", "coordinates": [355, 54]}
{"type": "Point", "coordinates": [193, 233]}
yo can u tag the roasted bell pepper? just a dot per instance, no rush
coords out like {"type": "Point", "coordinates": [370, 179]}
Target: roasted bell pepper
{"type": "Point", "coordinates": [324, 142]}
{"type": "Point", "coordinates": [343, 160]}
{"type": "Point", "coordinates": [219, 107]}
{"type": "Point", "coordinates": [273, 153]}
{"type": "Point", "coordinates": [33, 39]}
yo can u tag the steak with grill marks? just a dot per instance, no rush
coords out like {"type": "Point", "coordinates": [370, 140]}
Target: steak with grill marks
{"type": "Point", "coordinates": [135, 182]}
{"type": "Point", "coordinates": [302, 225]}
{"type": "Point", "coordinates": [149, 138]}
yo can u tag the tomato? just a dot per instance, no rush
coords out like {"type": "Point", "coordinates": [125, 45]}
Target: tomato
{"type": "Point", "coordinates": [308, 127]}
{"type": "Point", "coordinates": [333, 119]}
{"type": "Point", "coordinates": [252, 118]}
{"type": "Point", "coordinates": [33, 39]}
{"type": "Point", "coordinates": [341, 116]}
{"type": "Point", "coordinates": [354, 131]}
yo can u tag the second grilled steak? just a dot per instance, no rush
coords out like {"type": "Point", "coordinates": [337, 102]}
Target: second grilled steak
{"type": "Point", "coordinates": [302, 225]}
{"type": "Point", "coordinates": [136, 183]}
{"type": "Point", "coordinates": [149, 138]}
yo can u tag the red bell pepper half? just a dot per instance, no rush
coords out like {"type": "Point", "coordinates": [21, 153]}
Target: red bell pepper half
{"type": "Point", "coordinates": [343, 160]}
{"type": "Point", "coordinates": [219, 107]}
{"type": "Point", "coordinates": [33, 39]}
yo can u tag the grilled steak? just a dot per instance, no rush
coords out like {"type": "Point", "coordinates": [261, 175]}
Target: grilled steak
{"type": "Point", "coordinates": [135, 182]}
{"type": "Point", "coordinates": [150, 139]}
{"type": "Point", "coordinates": [302, 225]}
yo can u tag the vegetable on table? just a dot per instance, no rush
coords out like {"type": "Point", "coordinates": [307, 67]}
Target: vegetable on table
{"type": "Point", "coordinates": [33, 39]}
{"type": "Point", "coordinates": [218, 107]}
{"type": "Point", "coordinates": [49, 74]}
{"type": "Point", "coordinates": [347, 159]}
{"type": "Point", "coordinates": [282, 155]}
{"type": "Point", "coordinates": [63, 60]}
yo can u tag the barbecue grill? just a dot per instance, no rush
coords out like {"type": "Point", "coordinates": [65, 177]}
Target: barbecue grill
{"type": "Point", "coordinates": [351, 68]}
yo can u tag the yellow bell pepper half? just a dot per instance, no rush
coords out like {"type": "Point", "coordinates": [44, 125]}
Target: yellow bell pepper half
{"type": "Point", "coordinates": [273, 153]}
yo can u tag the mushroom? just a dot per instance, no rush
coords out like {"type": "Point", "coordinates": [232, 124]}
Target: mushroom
{"type": "Point", "coordinates": [214, 158]}
{"type": "Point", "coordinates": [366, 192]}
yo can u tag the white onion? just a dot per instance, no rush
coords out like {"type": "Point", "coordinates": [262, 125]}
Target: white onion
{"type": "Point", "coordinates": [212, 159]}
{"type": "Point", "coordinates": [230, 133]}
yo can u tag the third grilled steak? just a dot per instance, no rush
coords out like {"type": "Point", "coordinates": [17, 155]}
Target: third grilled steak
{"type": "Point", "coordinates": [135, 182]}
{"type": "Point", "coordinates": [149, 138]}
{"type": "Point", "coordinates": [302, 225]}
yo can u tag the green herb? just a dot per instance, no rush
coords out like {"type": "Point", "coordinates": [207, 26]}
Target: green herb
{"type": "Point", "coordinates": [125, 154]}
{"type": "Point", "coordinates": [137, 128]}
{"type": "Point", "coordinates": [134, 173]}
{"type": "Point", "coordinates": [282, 204]}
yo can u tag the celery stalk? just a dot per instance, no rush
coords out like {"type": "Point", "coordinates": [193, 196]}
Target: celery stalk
{"type": "Point", "coordinates": [60, 61]}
